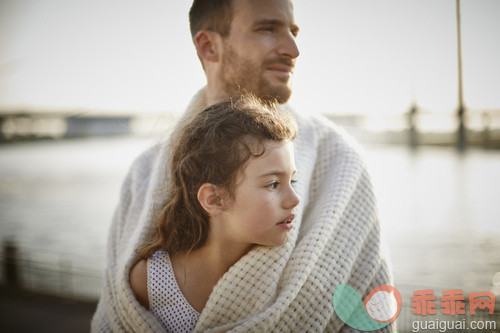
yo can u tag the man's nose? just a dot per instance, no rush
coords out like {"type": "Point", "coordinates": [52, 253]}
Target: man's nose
{"type": "Point", "coordinates": [288, 46]}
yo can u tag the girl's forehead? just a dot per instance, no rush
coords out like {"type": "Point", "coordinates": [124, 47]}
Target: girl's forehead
{"type": "Point", "coordinates": [278, 157]}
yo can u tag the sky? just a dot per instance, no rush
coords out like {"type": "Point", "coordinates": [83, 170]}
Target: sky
{"type": "Point", "coordinates": [357, 56]}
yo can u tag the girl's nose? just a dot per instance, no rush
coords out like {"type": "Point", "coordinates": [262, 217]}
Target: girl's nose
{"type": "Point", "coordinates": [292, 199]}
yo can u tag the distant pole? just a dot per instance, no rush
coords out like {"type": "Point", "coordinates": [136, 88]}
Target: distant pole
{"type": "Point", "coordinates": [461, 139]}
{"type": "Point", "coordinates": [11, 264]}
{"type": "Point", "coordinates": [412, 126]}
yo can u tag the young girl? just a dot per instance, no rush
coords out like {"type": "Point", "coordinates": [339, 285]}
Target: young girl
{"type": "Point", "coordinates": [230, 189]}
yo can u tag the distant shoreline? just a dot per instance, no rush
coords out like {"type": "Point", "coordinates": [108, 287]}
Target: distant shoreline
{"type": "Point", "coordinates": [25, 127]}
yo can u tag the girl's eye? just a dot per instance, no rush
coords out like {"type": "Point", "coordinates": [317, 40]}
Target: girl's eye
{"type": "Point", "coordinates": [293, 182]}
{"type": "Point", "coordinates": [273, 185]}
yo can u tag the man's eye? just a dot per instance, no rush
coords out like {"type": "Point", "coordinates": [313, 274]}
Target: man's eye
{"type": "Point", "coordinates": [273, 185]}
{"type": "Point", "coordinates": [269, 29]}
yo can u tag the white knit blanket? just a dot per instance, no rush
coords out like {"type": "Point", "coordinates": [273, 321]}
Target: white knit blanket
{"type": "Point", "coordinates": [288, 288]}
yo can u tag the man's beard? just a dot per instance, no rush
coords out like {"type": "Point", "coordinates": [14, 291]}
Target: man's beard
{"type": "Point", "coordinates": [243, 76]}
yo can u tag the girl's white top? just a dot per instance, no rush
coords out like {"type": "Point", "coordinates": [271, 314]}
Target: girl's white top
{"type": "Point", "coordinates": [166, 300]}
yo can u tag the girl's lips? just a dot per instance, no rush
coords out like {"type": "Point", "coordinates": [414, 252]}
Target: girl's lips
{"type": "Point", "coordinates": [288, 219]}
{"type": "Point", "coordinates": [287, 222]}
{"type": "Point", "coordinates": [287, 226]}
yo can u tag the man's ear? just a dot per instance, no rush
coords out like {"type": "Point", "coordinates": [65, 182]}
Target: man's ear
{"type": "Point", "coordinates": [210, 199]}
{"type": "Point", "coordinates": [208, 45]}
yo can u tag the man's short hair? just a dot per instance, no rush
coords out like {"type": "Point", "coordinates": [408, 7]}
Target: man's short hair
{"type": "Point", "coordinates": [212, 15]}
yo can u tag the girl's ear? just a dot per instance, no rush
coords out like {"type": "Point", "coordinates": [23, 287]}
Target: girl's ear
{"type": "Point", "coordinates": [210, 199]}
{"type": "Point", "coordinates": [207, 45]}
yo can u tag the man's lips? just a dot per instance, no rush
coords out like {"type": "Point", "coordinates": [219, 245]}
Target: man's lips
{"type": "Point", "coordinates": [281, 68]}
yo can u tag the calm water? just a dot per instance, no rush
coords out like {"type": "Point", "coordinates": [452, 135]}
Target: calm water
{"type": "Point", "coordinates": [440, 210]}
{"type": "Point", "coordinates": [57, 198]}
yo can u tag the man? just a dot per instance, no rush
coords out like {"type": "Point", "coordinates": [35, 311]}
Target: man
{"type": "Point", "coordinates": [249, 46]}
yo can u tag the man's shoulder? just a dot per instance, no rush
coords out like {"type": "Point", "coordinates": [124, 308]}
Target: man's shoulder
{"type": "Point", "coordinates": [313, 121]}
{"type": "Point", "coordinates": [141, 169]}
{"type": "Point", "coordinates": [322, 128]}
{"type": "Point", "coordinates": [320, 136]}
{"type": "Point", "coordinates": [147, 157]}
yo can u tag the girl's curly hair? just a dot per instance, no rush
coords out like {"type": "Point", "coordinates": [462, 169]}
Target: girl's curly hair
{"type": "Point", "coordinates": [212, 148]}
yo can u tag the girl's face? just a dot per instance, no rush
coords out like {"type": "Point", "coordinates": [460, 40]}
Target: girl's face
{"type": "Point", "coordinates": [261, 211]}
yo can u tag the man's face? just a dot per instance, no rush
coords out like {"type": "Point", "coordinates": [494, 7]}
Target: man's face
{"type": "Point", "coordinates": [259, 53]}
